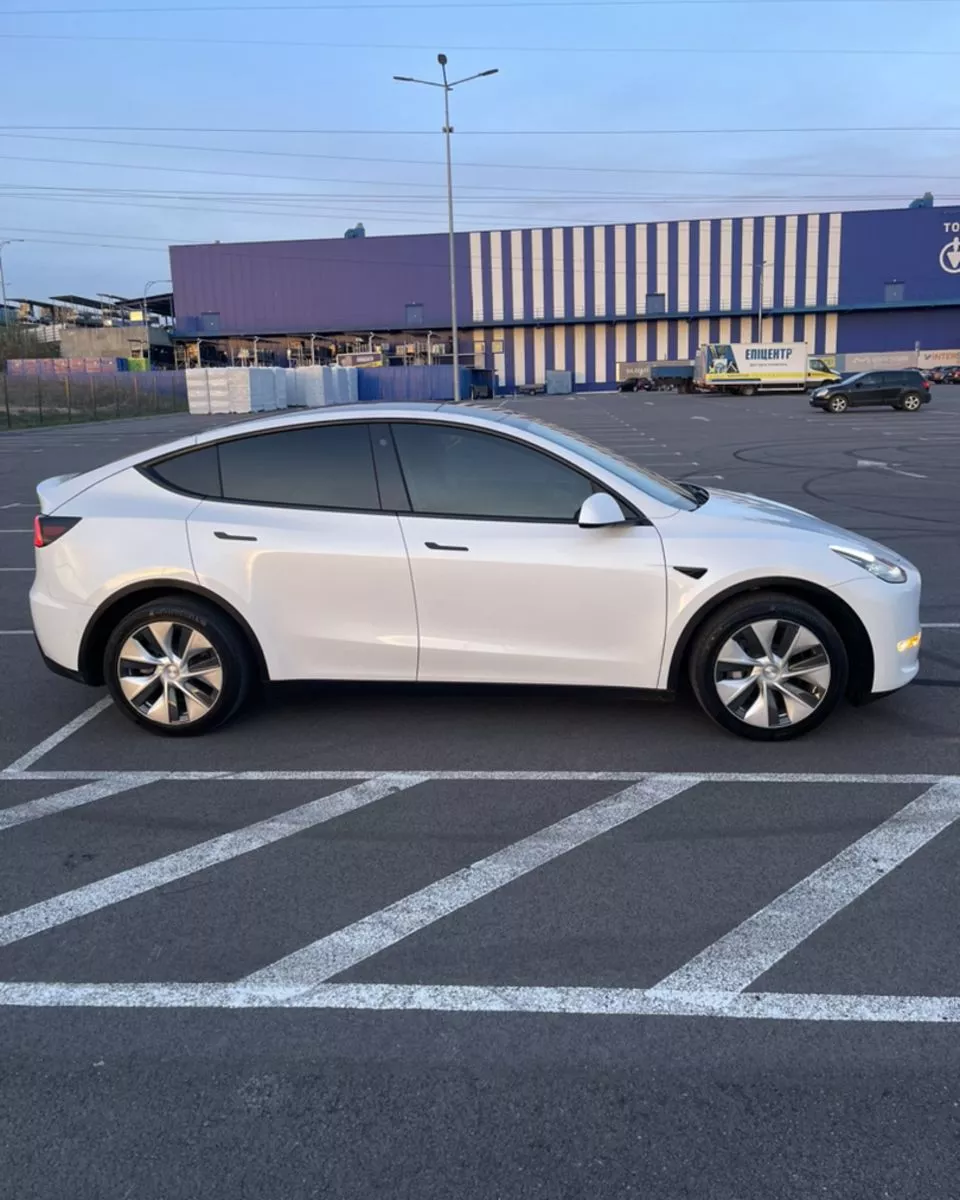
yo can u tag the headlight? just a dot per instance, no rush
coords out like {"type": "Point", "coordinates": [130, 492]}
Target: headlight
{"type": "Point", "coordinates": [819, 393]}
{"type": "Point", "coordinates": [888, 571]}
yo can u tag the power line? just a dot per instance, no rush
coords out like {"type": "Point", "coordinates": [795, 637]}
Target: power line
{"type": "Point", "coordinates": [444, 5]}
{"type": "Point", "coordinates": [461, 163]}
{"type": "Point", "coordinates": [304, 43]}
{"type": "Point", "coordinates": [592, 133]}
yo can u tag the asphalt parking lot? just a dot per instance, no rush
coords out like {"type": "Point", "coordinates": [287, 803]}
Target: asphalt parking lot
{"type": "Point", "coordinates": [495, 942]}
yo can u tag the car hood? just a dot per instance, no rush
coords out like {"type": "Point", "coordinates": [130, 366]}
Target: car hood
{"type": "Point", "coordinates": [741, 506]}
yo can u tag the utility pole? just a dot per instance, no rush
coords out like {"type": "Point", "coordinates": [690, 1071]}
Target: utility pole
{"type": "Point", "coordinates": [448, 87]}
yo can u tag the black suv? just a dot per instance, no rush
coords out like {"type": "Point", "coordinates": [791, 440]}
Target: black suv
{"type": "Point", "coordinates": [905, 390]}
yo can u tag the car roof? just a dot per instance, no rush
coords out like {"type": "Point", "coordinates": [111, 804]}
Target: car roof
{"type": "Point", "coordinates": [287, 419]}
{"type": "Point", "coordinates": [455, 413]}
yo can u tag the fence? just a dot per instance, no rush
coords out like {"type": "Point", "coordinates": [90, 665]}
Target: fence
{"type": "Point", "coordinates": [61, 399]}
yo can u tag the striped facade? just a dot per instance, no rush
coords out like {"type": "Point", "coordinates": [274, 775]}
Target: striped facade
{"type": "Point", "coordinates": [584, 298]}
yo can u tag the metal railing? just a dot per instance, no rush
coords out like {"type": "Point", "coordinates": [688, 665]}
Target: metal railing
{"type": "Point", "coordinates": [30, 400]}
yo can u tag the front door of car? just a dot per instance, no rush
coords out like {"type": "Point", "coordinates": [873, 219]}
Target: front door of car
{"type": "Point", "coordinates": [868, 389]}
{"type": "Point", "coordinates": [299, 546]}
{"type": "Point", "coordinates": [509, 587]}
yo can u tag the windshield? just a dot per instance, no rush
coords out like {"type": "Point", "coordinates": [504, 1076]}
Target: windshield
{"type": "Point", "coordinates": [664, 490]}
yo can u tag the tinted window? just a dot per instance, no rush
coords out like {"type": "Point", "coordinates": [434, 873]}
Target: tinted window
{"type": "Point", "coordinates": [664, 490]}
{"type": "Point", "coordinates": [869, 381]}
{"type": "Point", "coordinates": [466, 473]}
{"type": "Point", "coordinates": [327, 466]}
{"type": "Point", "coordinates": [195, 472]}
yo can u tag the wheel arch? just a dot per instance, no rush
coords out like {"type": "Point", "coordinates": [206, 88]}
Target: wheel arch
{"type": "Point", "coordinates": [838, 612]}
{"type": "Point", "coordinates": [120, 603]}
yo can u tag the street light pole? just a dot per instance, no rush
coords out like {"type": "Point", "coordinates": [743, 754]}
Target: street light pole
{"type": "Point", "coordinates": [448, 87]}
{"type": "Point", "coordinates": [3, 282]}
{"type": "Point", "coordinates": [763, 279]}
{"type": "Point", "coordinates": [146, 319]}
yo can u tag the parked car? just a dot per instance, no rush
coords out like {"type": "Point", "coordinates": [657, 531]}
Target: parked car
{"type": "Point", "coordinates": [635, 383]}
{"type": "Point", "coordinates": [905, 390]}
{"type": "Point", "coordinates": [442, 543]}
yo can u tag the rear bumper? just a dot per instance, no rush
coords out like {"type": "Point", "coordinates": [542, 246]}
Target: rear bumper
{"type": "Point", "coordinates": [57, 669]}
{"type": "Point", "coordinates": [59, 629]}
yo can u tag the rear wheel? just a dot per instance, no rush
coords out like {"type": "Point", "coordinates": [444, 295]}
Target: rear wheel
{"type": "Point", "coordinates": [178, 667]}
{"type": "Point", "coordinates": [748, 391]}
{"type": "Point", "coordinates": [911, 402]}
{"type": "Point", "coordinates": [837, 404]}
{"type": "Point", "coordinates": [768, 667]}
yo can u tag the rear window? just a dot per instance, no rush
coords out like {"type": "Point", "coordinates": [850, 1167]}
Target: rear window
{"type": "Point", "coordinates": [323, 466]}
{"type": "Point", "coordinates": [196, 472]}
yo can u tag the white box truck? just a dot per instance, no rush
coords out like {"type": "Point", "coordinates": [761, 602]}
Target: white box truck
{"type": "Point", "coordinates": [745, 368]}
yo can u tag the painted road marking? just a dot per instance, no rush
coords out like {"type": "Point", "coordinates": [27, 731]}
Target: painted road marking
{"type": "Point", "coordinates": [16, 568]}
{"type": "Point", "coordinates": [60, 802]}
{"type": "Point", "coordinates": [25, 761]}
{"type": "Point", "coordinates": [344, 949]}
{"type": "Point", "coordinates": [741, 956]}
{"type": "Point", "coordinates": [68, 906]}
{"type": "Point", "coordinates": [494, 776]}
{"type": "Point", "coordinates": [560, 1001]}
{"type": "Point", "coordinates": [15, 632]}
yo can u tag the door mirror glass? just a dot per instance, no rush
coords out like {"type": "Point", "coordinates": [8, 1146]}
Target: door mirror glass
{"type": "Point", "coordinates": [600, 510]}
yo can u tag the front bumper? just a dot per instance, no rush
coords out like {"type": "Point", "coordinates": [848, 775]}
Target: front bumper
{"type": "Point", "coordinates": [890, 613]}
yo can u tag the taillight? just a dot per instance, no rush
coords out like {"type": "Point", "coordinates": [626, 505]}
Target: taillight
{"type": "Point", "coordinates": [48, 529]}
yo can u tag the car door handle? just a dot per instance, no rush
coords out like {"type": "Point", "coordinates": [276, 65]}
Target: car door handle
{"type": "Point", "coordinates": [233, 537]}
{"type": "Point", "coordinates": [438, 546]}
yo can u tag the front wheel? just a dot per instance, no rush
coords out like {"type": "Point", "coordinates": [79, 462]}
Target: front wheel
{"type": "Point", "coordinates": [837, 404]}
{"type": "Point", "coordinates": [178, 667]}
{"type": "Point", "coordinates": [911, 402]}
{"type": "Point", "coordinates": [748, 391]}
{"type": "Point", "coordinates": [768, 667]}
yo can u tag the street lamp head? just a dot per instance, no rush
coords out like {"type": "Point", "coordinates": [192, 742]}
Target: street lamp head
{"type": "Point", "coordinates": [442, 60]}
{"type": "Point", "coordinates": [404, 79]}
{"type": "Point", "coordinates": [492, 71]}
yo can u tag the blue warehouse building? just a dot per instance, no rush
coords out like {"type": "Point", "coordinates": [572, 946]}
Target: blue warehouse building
{"type": "Point", "coordinates": [587, 298]}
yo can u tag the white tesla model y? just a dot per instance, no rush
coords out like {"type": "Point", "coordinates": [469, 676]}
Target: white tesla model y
{"type": "Point", "coordinates": [431, 542]}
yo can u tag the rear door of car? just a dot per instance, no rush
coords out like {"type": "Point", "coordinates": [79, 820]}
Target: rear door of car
{"type": "Point", "coordinates": [299, 544]}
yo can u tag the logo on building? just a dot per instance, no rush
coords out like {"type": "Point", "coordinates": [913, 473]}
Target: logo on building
{"type": "Point", "coordinates": [950, 257]}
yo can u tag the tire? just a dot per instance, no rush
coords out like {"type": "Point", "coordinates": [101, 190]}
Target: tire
{"type": "Point", "coordinates": [748, 391]}
{"type": "Point", "coordinates": [837, 404]}
{"type": "Point", "coordinates": [152, 640]}
{"type": "Point", "coordinates": [911, 402]}
{"type": "Point", "coordinates": [735, 691]}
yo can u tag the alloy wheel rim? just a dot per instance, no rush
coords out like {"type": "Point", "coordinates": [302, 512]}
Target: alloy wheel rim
{"type": "Point", "coordinates": [772, 674]}
{"type": "Point", "coordinates": [911, 402]}
{"type": "Point", "coordinates": [170, 673]}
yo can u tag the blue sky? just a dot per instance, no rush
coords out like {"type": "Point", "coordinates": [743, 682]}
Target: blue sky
{"type": "Point", "coordinates": [97, 214]}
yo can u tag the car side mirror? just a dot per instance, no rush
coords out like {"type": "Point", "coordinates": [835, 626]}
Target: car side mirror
{"type": "Point", "coordinates": [600, 510]}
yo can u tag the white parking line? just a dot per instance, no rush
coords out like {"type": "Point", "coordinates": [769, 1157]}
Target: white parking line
{"type": "Point", "coordinates": [741, 956]}
{"type": "Point", "coordinates": [558, 1001]}
{"type": "Point", "coordinates": [45, 806]}
{"type": "Point", "coordinates": [344, 949]}
{"type": "Point", "coordinates": [27, 760]}
{"type": "Point", "coordinates": [82, 901]}
{"type": "Point", "coordinates": [498, 776]}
